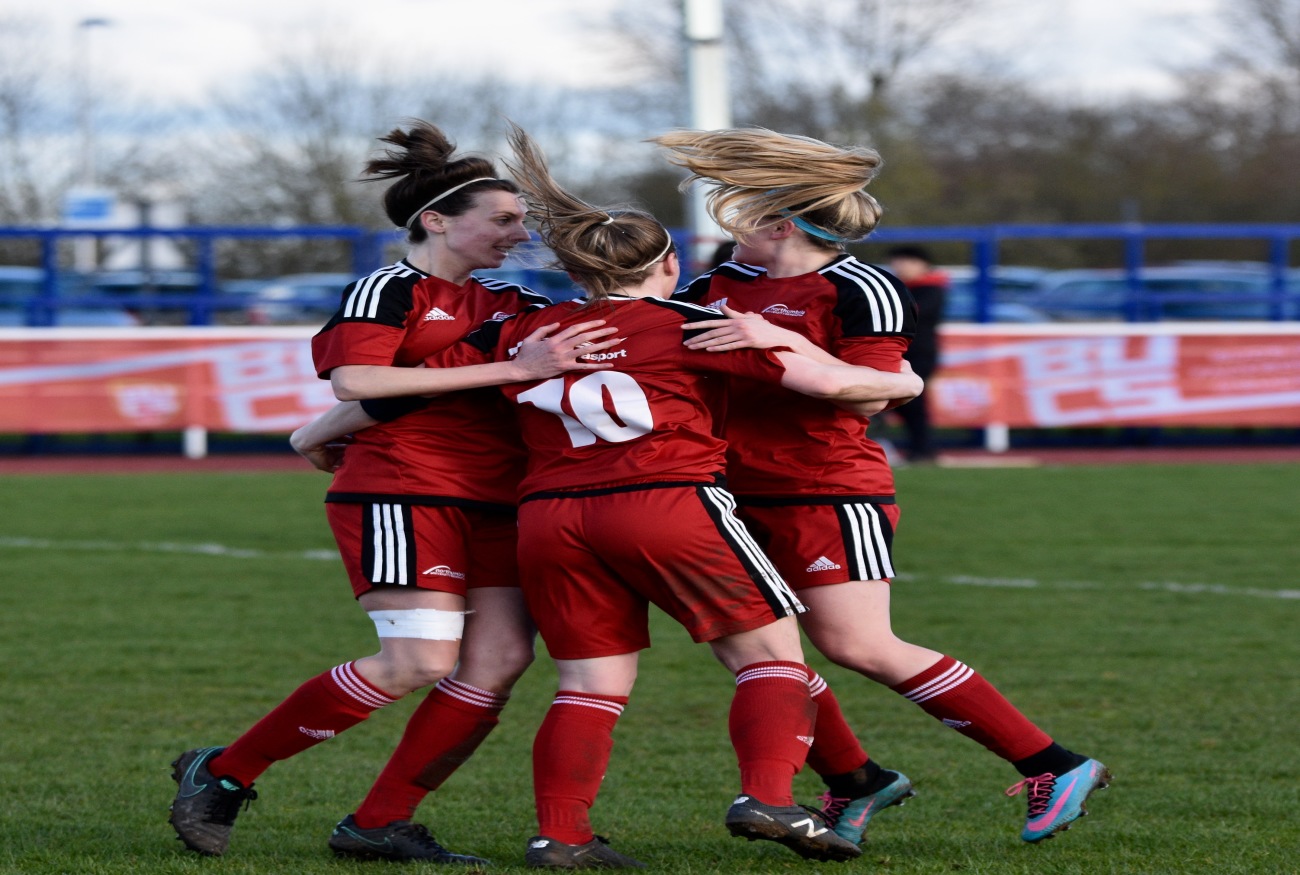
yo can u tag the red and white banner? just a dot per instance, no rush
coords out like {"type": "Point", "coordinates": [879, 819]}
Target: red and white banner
{"type": "Point", "coordinates": [1171, 374]}
{"type": "Point", "coordinates": [158, 379]}
{"type": "Point", "coordinates": [1042, 376]}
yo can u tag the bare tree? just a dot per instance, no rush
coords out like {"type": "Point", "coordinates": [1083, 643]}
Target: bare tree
{"type": "Point", "coordinates": [1264, 36]}
{"type": "Point", "coordinates": [29, 117]}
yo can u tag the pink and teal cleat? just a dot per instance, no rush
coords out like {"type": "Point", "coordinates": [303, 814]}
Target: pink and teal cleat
{"type": "Point", "coordinates": [1056, 801]}
{"type": "Point", "coordinates": [849, 817]}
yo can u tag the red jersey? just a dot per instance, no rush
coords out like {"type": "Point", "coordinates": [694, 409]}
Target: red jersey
{"type": "Point", "coordinates": [782, 443]}
{"type": "Point", "coordinates": [460, 448]}
{"type": "Point", "coordinates": [650, 419]}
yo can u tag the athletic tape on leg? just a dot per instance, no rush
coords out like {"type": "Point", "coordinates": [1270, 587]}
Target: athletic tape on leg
{"type": "Point", "coordinates": [427, 623]}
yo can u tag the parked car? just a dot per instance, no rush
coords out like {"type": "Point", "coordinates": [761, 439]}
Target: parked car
{"type": "Point", "coordinates": [1012, 284]}
{"type": "Point", "coordinates": [1186, 291]}
{"type": "Point", "coordinates": [21, 286]}
{"type": "Point", "coordinates": [293, 299]}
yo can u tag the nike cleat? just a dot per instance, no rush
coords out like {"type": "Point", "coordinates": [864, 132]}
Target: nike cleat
{"type": "Point", "coordinates": [1055, 801]}
{"type": "Point", "coordinates": [399, 841]}
{"type": "Point", "coordinates": [849, 817]}
{"type": "Point", "coordinates": [547, 853]}
{"type": "Point", "coordinates": [802, 830]}
{"type": "Point", "coordinates": [204, 810]}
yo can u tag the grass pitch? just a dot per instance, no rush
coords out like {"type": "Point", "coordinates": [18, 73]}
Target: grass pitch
{"type": "Point", "coordinates": [1147, 616]}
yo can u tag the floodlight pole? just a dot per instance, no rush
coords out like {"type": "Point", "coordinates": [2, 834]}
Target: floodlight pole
{"type": "Point", "coordinates": [85, 249]}
{"type": "Point", "coordinates": [710, 103]}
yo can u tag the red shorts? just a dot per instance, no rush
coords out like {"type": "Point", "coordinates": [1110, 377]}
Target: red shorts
{"type": "Point", "coordinates": [594, 562]}
{"type": "Point", "coordinates": [448, 549]}
{"type": "Point", "coordinates": [834, 541]}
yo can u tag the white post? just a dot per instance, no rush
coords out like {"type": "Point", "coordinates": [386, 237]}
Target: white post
{"type": "Point", "coordinates": [997, 437]}
{"type": "Point", "coordinates": [710, 102]}
{"type": "Point", "coordinates": [86, 249]}
{"type": "Point", "coordinates": [195, 443]}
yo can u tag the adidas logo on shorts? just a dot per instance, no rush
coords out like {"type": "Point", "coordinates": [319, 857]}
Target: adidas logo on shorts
{"type": "Point", "coordinates": [823, 564]}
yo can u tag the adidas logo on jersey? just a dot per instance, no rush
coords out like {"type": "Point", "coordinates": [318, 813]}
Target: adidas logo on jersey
{"type": "Point", "coordinates": [823, 564]}
{"type": "Point", "coordinates": [437, 314]}
{"type": "Point", "coordinates": [783, 310]}
{"type": "Point", "coordinates": [717, 305]}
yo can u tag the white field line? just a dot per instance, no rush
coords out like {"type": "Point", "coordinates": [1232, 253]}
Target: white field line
{"type": "Point", "coordinates": [332, 556]}
{"type": "Point", "coordinates": [163, 547]}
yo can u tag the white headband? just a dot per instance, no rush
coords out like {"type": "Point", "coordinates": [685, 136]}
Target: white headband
{"type": "Point", "coordinates": [652, 262]}
{"type": "Point", "coordinates": [452, 190]}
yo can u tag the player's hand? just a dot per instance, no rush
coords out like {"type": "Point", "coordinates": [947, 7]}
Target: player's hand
{"type": "Point", "coordinates": [548, 353]}
{"type": "Point", "coordinates": [738, 331]}
{"type": "Point", "coordinates": [325, 457]}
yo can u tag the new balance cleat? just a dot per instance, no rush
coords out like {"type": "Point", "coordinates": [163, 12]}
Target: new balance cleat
{"type": "Point", "coordinates": [1056, 801]}
{"type": "Point", "coordinates": [849, 817]}
{"type": "Point", "coordinates": [547, 853]}
{"type": "Point", "coordinates": [204, 810]}
{"type": "Point", "coordinates": [399, 841]}
{"type": "Point", "coordinates": [802, 830]}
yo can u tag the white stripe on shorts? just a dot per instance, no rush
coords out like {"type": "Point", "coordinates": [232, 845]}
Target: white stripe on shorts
{"type": "Point", "coordinates": [390, 544]}
{"type": "Point", "coordinates": [773, 582]}
{"type": "Point", "coordinates": [868, 550]}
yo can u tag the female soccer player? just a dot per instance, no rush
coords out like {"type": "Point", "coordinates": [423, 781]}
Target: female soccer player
{"type": "Point", "coordinates": [422, 509]}
{"type": "Point", "coordinates": [621, 507]}
{"type": "Point", "coordinates": [819, 494]}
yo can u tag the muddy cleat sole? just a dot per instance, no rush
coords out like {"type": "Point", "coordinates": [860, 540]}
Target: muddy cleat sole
{"type": "Point", "coordinates": [1057, 801]}
{"type": "Point", "coordinates": [399, 841]}
{"type": "Point", "coordinates": [547, 853]}
{"type": "Point", "coordinates": [204, 810]}
{"type": "Point", "coordinates": [802, 830]}
{"type": "Point", "coordinates": [850, 817]}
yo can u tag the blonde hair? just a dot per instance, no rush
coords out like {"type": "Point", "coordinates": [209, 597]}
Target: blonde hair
{"type": "Point", "coordinates": [757, 177]}
{"type": "Point", "coordinates": [603, 248]}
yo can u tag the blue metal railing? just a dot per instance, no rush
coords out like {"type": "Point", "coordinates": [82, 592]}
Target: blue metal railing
{"type": "Point", "coordinates": [369, 252]}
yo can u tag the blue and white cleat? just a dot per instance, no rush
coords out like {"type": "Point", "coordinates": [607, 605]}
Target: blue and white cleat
{"type": "Point", "coordinates": [1056, 801]}
{"type": "Point", "coordinates": [849, 817]}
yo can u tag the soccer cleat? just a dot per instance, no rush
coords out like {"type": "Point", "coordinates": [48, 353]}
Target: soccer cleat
{"type": "Point", "coordinates": [547, 853]}
{"type": "Point", "coordinates": [204, 810]}
{"type": "Point", "coordinates": [400, 840]}
{"type": "Point", "coordinates": [849, 817]}
{"type": "Point", "coordinates": [802, 830]}
{"type": "Point", "coordinates": [1056, 801]}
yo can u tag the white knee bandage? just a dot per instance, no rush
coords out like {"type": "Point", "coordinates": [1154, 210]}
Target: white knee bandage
{"type": "Point", "coordinates": [427, 623]}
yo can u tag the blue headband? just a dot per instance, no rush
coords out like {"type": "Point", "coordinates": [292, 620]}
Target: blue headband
{"type": "Point", "coordinates": [809, 228]}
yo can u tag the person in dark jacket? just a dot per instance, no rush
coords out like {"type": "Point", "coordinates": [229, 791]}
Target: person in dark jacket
{"type": "Point", "coordinates": [929, 287]}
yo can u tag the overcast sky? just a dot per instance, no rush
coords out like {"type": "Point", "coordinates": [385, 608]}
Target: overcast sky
{"type": "Point", "coordinates": [177, 51]}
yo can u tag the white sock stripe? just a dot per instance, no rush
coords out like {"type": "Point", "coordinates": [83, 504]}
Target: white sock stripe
{"type": "Point", "coordinates": [581, 702]}
{"type": "Point", "coordinates": [351, 683]}
{"type": "Point", "coordinates": [472, 695]}
{"type": "Point", "coordinates": [772, 671]}
{"type": "Point", "coordinates": [817, 685]}
{"type": "Point", "coordinates": [956, 675]}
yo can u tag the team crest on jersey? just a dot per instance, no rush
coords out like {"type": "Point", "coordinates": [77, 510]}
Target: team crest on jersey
{"type": "Point", "coordinates": [783, 310]}
{"type": "Point", "coordinates": [437, 314]}
{"type": "Point", "coordinates": [499, 316]}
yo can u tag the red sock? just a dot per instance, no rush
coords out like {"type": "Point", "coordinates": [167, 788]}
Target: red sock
{"type": "Point", "coordinates": [318, 710]}
{"type": "Point", "coordinates": [835, 749]}
{"type": "Point", "coordinates": [443, 732]}
{"type": "Point", "coordinates": [771, 723]}
{"type": "Point", "coordinates": [570, 754]}
{"type": "Point", "coordinates": [954, 693]}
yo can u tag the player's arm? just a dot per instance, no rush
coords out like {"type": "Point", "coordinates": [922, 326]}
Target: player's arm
{"type": "Point", "coordinates": [860, 389]}
{"type": "Point", "coordinates": [750, 331]}
{"type": "Point", "coordinates": [324, 440]}
{"type": "Point", "coordinates": [541, 355]}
